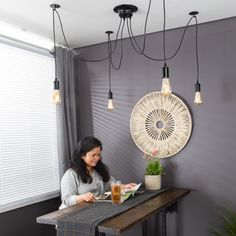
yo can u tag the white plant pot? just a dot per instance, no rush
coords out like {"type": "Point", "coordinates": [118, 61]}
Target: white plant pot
{"type": "Point", "coordinates": [152, 182]}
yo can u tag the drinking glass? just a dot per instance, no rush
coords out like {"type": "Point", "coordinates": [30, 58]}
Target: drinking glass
{"type": "Point", "coordinates": [116, 192]}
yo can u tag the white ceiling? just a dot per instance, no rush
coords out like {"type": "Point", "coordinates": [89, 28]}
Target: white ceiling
{"type": "Point", "coordinates": [85, 21]}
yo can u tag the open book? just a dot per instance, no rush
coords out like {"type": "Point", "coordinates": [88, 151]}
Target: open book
{"type": "Point", "coordinates": [125, 194]}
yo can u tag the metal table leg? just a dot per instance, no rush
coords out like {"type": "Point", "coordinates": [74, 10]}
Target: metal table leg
{"type": "Point", "coordinates": [144, 228]}
{"type": "Point", "coordinates": [163, 222]}
{"type": "Point", "coordinates": [170, 209]}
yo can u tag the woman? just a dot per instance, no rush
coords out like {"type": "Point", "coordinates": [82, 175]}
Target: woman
{"type": "Point", "coordinates": [88, 177]}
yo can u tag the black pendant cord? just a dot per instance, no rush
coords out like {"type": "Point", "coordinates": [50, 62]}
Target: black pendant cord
{"type": "Point", "coordinates": [121, 49]}
{"type": "Point", "coordinates": [131, 36]}
{"type": "Point", "coordinates": [54, 43]}
{"type": "Point", "coordinates": [112, 51]}
{"type": "Point", "coordinates": [177, 50]}
{"type": "Point", "coordinates": [133, 40]}
{"type": "Point", "coordinates": [63, 33]}
{"type": "Point", "coordinates": [196, 48]}
{"type": "Point", "coordinates": [150, 57]}
{"type": "Point", "coordinates": [121, 38]}
{"type": "Point", "coordinates": [117, 35]}
{"type": "Point", "coordinates": [145, 26]}
{"type": "Point", "coordinates": [164, 31]}
{"type": "Point", "coordinates": [71, 50]}
{"type": "Point", "coordinates": [181, 40]}
{"type": "Point", "coordinates": [109, 60]}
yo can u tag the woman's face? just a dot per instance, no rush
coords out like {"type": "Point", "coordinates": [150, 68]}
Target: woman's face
{"type": "Point", "coordinates": [92, 157]}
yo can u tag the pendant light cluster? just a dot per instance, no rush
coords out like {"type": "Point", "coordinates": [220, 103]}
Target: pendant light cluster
{"type": "Point", "coordinates": [125, 12]}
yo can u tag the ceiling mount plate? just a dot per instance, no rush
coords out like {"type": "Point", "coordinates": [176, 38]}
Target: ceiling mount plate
{"type": "Point", "coordinates": [109, 32]}
{"type": "Point", "coordinates": [193, 13]}
{"type": "Point", "coordinates": [55, 6]}
{"type": "Point", "coordinates": [125, 10]}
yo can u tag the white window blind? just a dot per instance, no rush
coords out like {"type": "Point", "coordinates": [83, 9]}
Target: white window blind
{"type": "Point", "coordinates": [29, 169]}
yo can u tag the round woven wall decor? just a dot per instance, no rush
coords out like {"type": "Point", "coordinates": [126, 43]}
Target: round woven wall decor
{"type": "Point", "coordinates": [162, 123]}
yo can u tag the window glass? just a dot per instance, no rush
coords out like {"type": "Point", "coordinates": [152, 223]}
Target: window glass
{"type": "Point", "coordinates": [29, 169]}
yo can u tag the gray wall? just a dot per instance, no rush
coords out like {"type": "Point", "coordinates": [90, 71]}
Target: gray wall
{"type": "Point", "coordinates": [207, 164]}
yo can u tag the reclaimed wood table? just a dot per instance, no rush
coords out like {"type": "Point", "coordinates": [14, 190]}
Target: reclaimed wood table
{"type": "Point", "coordinates": [163, 203]}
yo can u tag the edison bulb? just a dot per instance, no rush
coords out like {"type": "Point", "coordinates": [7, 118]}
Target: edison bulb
{"type": "Point", "coordinates": [198, 98]}
{"type": "Point", "coordinates": [166, 87]}
{"type": "Point", "coordinates": [56, 96]}
{"type": "Point", "coordinates": [110, 105]}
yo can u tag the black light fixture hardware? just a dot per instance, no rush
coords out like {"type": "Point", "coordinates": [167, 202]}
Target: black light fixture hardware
{"type": "Point", "coordinates": [198, 96]}
{"type": "Point", "coordinates": [56, 91]}
{"type": "Point", "coordinates": [126, 12]}
{"type": "Point", "coordinates": [165, 86]}
{"type": "Point", "coordinates": [110, 105]}
{"type": "Point", "coordinates": [193, 13]}
{"type": "Point", "coordinates": [55, 6]}
{"type": "Point", "coordinates": [165, 71]}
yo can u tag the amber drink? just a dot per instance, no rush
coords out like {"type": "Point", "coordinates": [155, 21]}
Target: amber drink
{"type": "Point", "coordinates": [116, 192]}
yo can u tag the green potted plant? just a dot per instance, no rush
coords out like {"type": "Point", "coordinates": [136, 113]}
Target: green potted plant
{"type": "Point", "coordinates": [153, 172]}
{"type": "Point", "coordinates": [154, 167]}
{"type": "Point", "coordinates": [229, 224]}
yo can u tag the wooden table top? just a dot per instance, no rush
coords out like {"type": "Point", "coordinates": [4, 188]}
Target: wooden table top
{"type": "Point", "coordinates": [122, 222]}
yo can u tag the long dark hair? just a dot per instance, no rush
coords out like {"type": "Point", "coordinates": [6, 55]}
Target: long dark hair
{"type": "Point", "coordinates": [79, 165]}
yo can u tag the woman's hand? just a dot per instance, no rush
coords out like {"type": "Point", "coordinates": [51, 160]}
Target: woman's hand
{"type": "Point", "coordinates": [86, 197]}
{"type": "Point", "coordinates": [129, 185]}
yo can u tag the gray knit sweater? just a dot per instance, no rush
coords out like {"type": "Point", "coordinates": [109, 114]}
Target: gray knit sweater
{"type": "Point", "coordinates": [72, 186]}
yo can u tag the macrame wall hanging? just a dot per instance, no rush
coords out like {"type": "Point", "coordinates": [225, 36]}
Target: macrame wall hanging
{"type": "Point", "coordinates": [160, 122]}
